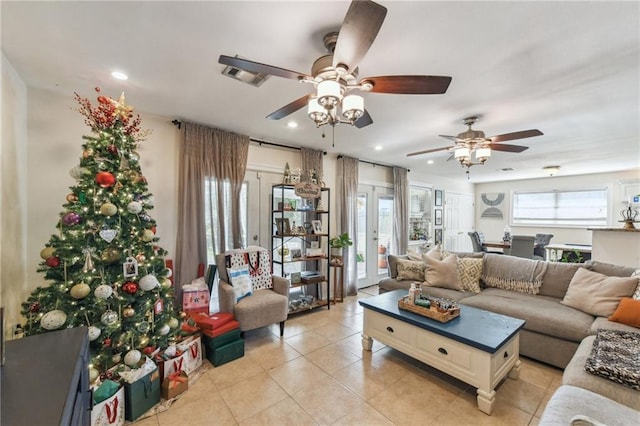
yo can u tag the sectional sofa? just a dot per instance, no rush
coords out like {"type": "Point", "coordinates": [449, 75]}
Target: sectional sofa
{"type": "Point", "coordinates": [564, 306]}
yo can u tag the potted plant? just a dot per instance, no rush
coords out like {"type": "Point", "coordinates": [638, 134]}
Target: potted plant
{"type": "Point", "coordinates": [337, 244]}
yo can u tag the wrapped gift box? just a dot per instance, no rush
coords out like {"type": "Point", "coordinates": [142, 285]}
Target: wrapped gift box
{"type": "Point", "coordinates": [109, 412]}
{"type": "Point", "coordinates": [231, 325]}
{"type": "Point", "coordinates": [213, 321]}
{"type": "Point", "coordinates": [213, 342]}
{"type": "Point", "coordinates": [174, 385]}
{"type": "Point", "coordinates": [141, 395]}
{"type": "Point", "coordinates": [225, 353]}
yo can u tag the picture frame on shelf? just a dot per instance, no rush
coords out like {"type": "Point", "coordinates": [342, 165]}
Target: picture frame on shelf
{"type": "Point", "coordinates": [296, 254]}
{"type": "Point", "coordinates": [308, 227]}
{"type": "Point", "coordinates": [283, 227]}
{"type": "Point", "coordinates": [317, 226]}
{"type": "Point", "coordinates": [315, 244]}
{"type": "Point", "coordinates": [438, 197]}
{"type": "Point", "coordinates": [438, 217]}
{"type": "Point", "coordinates": [437, 236]}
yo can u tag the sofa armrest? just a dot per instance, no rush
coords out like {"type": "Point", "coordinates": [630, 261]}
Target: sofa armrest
{"type": "Point", "coordinates": [280, 285]}
{"type": "Point", "coordinates": [226, 296]}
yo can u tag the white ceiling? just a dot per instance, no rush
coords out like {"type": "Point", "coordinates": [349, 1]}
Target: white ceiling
{"type": "Point", "coordinates": [570, 69]}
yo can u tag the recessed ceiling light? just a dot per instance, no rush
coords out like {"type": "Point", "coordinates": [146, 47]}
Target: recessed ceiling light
{"type": "Point", "coordinates": [378, 148]}
{"type": "Point", "coordinates": [430, 161]}
{"type": "Point", "coordinates": [292, 124]}
{"type": "Point", "coordinates": [118, 75]}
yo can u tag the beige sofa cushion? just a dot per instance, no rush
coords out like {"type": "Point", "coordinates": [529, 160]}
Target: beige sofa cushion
{"type": "Point", "coordinates": [597, 294]}
{"type": "Point", "coordinates": [557, 278]}
{"type": "Point", "coordinates": [442, 273]}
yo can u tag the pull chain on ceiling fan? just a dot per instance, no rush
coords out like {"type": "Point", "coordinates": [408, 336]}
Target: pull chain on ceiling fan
{"type": "Point", "coordinates": [335, 75]}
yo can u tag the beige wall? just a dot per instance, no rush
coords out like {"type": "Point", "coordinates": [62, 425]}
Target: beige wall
{"type": "Point", "coordinates": [13, 201]}
{"type": "Point", "coordinates": [493, 228]}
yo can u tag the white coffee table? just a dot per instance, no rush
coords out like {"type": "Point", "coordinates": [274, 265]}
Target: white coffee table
{"type": "Point", "coordinates": [479, 347]}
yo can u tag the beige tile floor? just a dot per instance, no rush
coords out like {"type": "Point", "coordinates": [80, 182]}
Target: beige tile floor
{"type": "Point", "coordinates": [318, 374]}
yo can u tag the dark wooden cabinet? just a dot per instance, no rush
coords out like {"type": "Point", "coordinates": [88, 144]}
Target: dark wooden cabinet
{"type": "Point", "coordinates": [45, 379]}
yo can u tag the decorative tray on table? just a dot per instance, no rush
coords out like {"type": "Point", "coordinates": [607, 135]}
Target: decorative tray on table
{"type": "Point", "coordinates": [439, 309]}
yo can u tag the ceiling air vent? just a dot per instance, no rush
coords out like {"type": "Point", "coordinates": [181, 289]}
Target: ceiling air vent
{"type": "Point", "coordinates": [253, 79]}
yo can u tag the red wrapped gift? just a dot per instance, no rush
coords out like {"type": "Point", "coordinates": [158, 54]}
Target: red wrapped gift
{"type": "Point", "coordinates": [213, 321]}
{"type": "Point", "coordinates": [231, 325]}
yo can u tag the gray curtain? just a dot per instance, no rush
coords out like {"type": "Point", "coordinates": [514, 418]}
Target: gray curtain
{"type": "Point", "coordinates": [401, 211]}
{"type": "Point", "coordinates": [312, 160]}
{"type": "Point", "coordinates": [347, 217]}
{"type": "Point", "coordinates": [210, 160]}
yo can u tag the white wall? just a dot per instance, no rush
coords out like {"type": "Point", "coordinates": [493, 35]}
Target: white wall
{"type": "Point", "coordinates": [13, 198]}
{"type": "Point", "coordinates": [493, 228]}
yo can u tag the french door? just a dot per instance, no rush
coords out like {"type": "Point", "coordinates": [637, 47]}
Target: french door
{"type": "Point", "coordinates": [375, 233]}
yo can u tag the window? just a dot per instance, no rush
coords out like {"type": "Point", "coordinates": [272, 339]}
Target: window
{"type": "Point", "coordinates": [561, 208]}
{"type": "Point", "coordinates": [215, 201]}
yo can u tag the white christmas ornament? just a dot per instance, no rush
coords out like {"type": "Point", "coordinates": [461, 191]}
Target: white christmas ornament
{"type": "Point", "coordinates": [148, 282]}
{"type": "Point", "coordinates": [149, 201]}
{"type": "Point", "coordinates": [53, 320]}
{"type": "Point", "coordinates": [109, 317]}
{"type": "Point", "coordinates": [94, 333]}
{"type": "Point", "coordinates": [78, 172]}
{"type": "Point", "coordinates": [108, 234]}
{"type": "Point", "coordinates": [80, 291]}
{"type": "Point", "coordinates": [163, 330]}
{"type": "Point", "coordinates": [132, 357]}
{"type": "Point", "coordinates": [134, 207]}
{"type": "Point", "coordinates": [103, 291]}
{"type": "Point", "coordinates": [93, 374]}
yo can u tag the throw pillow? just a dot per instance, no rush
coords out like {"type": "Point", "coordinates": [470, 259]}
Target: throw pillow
{"type": "Point", "coordinates": [434, 253]}
{"type": "Point", "coordinates": [443, 273]}
{"type": "Point", "coordinates": [597, 294]}
{"type": "Point", "coordinates": [410, 270]}
{"type": "Point", "coordinates": [414, 255]}
{"type": "Point", "coordinates": [636, 294]}
{"type": "Point", "coordinates": [628, 312]}
{"type": "Point", "coordinates": [241, 281]}
{"type": "Point", "coordinates": [470, 271]}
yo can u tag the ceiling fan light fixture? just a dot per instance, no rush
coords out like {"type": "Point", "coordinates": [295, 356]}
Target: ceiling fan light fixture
{"type": "Point", "coordinates": [316, 111]}
{"type": "Point", "coordinates": [329, 93]}
{"type": "Point", "coordinates": [483, 153]}
{"type": "Point", "coordinates": [462, 154]}
{"type": "Point", "coordinates": [551, 170]}
{"type": "Point", "coordinates": [352, 107]}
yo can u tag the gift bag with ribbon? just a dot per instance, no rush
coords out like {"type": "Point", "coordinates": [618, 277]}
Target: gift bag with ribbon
{"type": "Point", "coordinates": [110, 411]}
{"type": "Point", "coordinates": [171, 365]}
{"type": "Point", "coordinates": [174, 384]}
{"type": "Point", "coordinates": [142, 395]}
{"type": "Point", "coordinates": [192, 348]}
{"type": "Point", "coordinates": [259, 263]}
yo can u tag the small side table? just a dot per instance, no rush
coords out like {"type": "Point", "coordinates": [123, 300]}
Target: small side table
{"type": "Point", "coordinates": [338, 280]}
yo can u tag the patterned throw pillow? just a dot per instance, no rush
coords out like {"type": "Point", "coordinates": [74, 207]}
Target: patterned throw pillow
{"type": "Point", "coordinates": [410, 270]}
{"type": "Point", "coordinates": [636, 294]}
{"type": "Point", "coordinates": [470, 271]}
{"type": "Point", "coordinates": [240, 281]}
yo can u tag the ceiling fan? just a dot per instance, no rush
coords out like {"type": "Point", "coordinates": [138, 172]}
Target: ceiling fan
{"type": "Point", "coordinates": [336, 74]}
{"type": "Point", "coordinates": [474, 141]}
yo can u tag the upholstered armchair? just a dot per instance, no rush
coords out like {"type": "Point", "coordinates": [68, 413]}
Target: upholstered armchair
{"type": "Point", "coordinates": [263, 307]}
{"type": "Point", "coordinates": [522, 246]}
{"type": "Point", "coordinates": [540, 242]}
{"type": "Point", "coordinates": [477, 241]}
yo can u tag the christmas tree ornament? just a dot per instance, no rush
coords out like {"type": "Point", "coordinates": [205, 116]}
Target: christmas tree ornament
{"type": "Point", "coordinates": [94, 332]}
{"type": "Point", "coordinates": [143, 341]}
{"type": "Point", "coordinates": [168, 273]}
{"type": "Point", "coordinates": [173, 323]}
{"type": "Point", "coordinates": [93, 374]}
{"type": "Point", "coordinates": [130, 175]}
{"type": "Point", "coordinates": [140, 258]}
{"type": "Point", "coordinates": [116, 358]}
{"type": "Point", "coordinates": [148, 350]}
{"type": "Point", "coordinates": [163, 330]}
{"type": "Point", "coordinates": [128, 312]}
{"type": "Point", "coordinates": [149, 201]}
{"type": "Point", "coordinates": [53, 320]}
{"type": "Point", "coordinates": [130, 287]}
{"type": "Point", "coordinates": [165, 284]}
{"type": "Point", "coordinates": [110, 255]}
{"type": "Point", "coordinates": [108, 234]}
{"type": "Point", "coordinates": [72, 198]}
{"type": "Point", "coordinates": [80, 291]}
{"type": "Point", "coordinates": [134, 207]}
{"type": "Point", "coordinates": [78, 172]}
{"type": "Point", "coordinates": [109, 317]}
{"type": "Point", "coordinates": [143, 327]}
{"type": "Point", "coordinates": [87, 153]}
{"type": "Point", "coordinates": [132, 358]}
{"type": "Point", "coordinates": [88, 258]}
{"type": "Point", "coordinates": [34, 307]}
{"type": "Point", "coordinates": [106, 342]}
{"type": "Point", "coordinates": [147, 235]}
{"type": "Point", "coordinates": [134, 156]}
{"type": "Point", "coordinates": [82, 197]}
{"type": "Point", "coordinates": [47, 252]}
{"type": "Point", "coordinates": [105, 179]}
{"type": "Point", "coordinates": [103, 291]}
{"type": "Point", "coordinates": [108, 209]}
{"type": "Point", "coordinates": [182, 315]}
{"type": "Point", "coordinates": [71, 218]}
{"type": "Point", "coordinates": [112, 149]}
{"type": "Point", "coordinates": [148, 282]}
{"type": "Point", "coordinates": [52, 262]}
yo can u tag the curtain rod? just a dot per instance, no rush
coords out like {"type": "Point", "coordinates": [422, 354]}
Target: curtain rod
{"type": "Point", "coordinates": [178, 124]}
{"type": "Point", "coordinates": [372, 163]}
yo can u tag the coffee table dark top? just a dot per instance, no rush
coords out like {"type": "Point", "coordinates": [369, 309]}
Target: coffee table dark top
{"type": "Point", "coordinates": [481, 329]}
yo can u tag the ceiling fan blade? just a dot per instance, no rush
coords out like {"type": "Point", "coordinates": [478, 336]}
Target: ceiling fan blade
{"type": "Point", "coordinates": [359, 29]}
{"type": "Point", "coordinates": [516, 135]}
{"type": "Point", "coordinates": [452, 138]}
{"type": "Point", "coordinates": [364, 120]}
{"type": "Point", "coordinates": [427, 151]}
{"type": "Point", "coordinates": [257, 67]}
{"type": "Point", "coordinates": [409, 84]}
{"type": "Point", "coordinates": [290, 108]}
{"type": "Point", "coordinates": [508, 148]}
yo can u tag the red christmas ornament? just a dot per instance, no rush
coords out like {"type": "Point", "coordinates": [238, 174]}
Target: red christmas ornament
{"type": "Point", "coordinates": [148, 350]}
{"type": "Point", "coordinates": [130, 287]}
{"type": "Point", "coordinates": [112, 149]}
{"type": "Point", "coordinates": [52, 262]}
{"type": "Point", "coordinates": [34, 307]}
{"type": "Point", "coordinates": [105, 179]}
{"type": "Point", "coordinates": [106, 342]}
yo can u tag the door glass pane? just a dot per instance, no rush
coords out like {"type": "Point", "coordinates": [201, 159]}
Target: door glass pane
{"type": "Point", "coordinates": [385, 231]}
{"type": "Point", "coordinates": [361, 244]}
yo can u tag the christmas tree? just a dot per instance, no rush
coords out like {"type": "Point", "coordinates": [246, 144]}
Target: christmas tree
{"type": "Point", "coordinates": [104, 266]}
